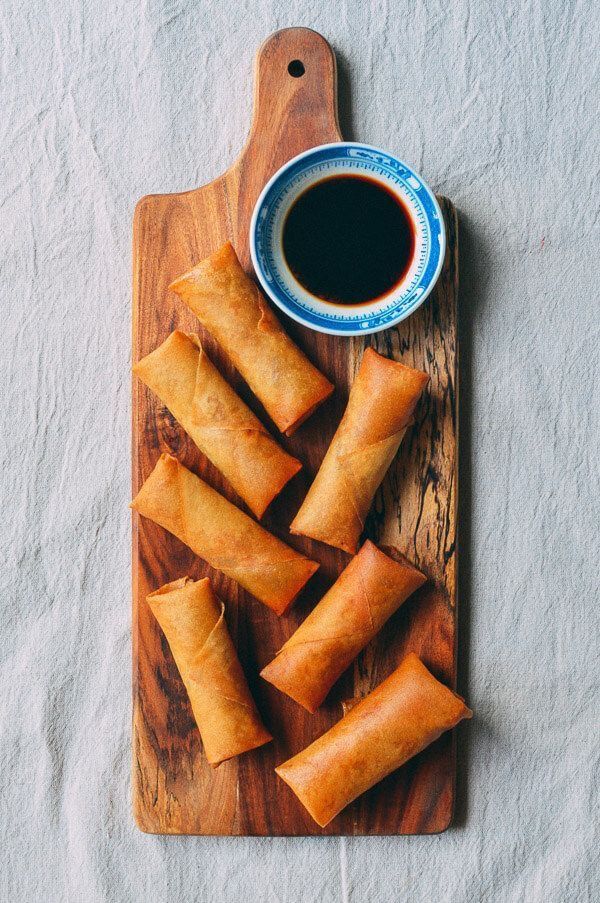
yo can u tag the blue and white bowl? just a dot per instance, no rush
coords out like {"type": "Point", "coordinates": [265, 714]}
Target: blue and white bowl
{"type": "Point", "coordinates": [274, 203]}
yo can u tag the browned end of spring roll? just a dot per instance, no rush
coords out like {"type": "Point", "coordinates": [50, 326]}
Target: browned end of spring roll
{"type": "Point", "coordinates": [380, 407]}
{"type": "Point", "coordinates": [364, 596]}
{"type": "Point", "coordinates": [234, 310]}
{"type": "Point", "coordinates": [193, 621]}
{"type": "Point", "coordinates": [217, 420]}
{"type": "Point", "coordinates": [402, 716]}
{"type": "Point", "coordinates": [224, 536]}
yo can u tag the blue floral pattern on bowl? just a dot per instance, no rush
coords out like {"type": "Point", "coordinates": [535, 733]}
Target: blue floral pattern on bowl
{"type": "Point", "coordinates": [267, 227]}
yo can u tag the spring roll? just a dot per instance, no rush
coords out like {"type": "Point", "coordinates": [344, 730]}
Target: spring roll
{"type": "Point", "coordinates": [365, 595]}
{"type": "Point", "coordinates": [380, 407]}
{"type": "Point", "coordinates": [193, 621]}
{"type": "Point", "coordinates": [234, 310]}
{"type": "Point", "coordinates": [402, 716]}
{"type": "Point", "coordinates": [224, 536]}
{"type": "Point", "coordinates": [217, 420]}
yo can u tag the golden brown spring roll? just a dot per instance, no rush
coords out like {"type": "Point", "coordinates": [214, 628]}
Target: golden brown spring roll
{"type": "Point", "coordinates": [224, 536]}
{"type": "Point", "coordinates": [234, 310]}
{"type": "Point", "coordinates": [364, 596]}
{"type": "Point", "coordinates": [380, 407]}
{"type": "Point", "coordinates": [217, 420]}
{"type": "Point", "coordinates": [193, 621]}
{"type": "Point", "coordinates": [402, 716]}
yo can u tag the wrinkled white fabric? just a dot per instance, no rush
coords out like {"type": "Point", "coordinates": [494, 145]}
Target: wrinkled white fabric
{"type": "Point", "coordinates": [496, 104]}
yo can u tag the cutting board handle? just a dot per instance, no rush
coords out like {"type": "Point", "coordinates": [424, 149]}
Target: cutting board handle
{"type": "Point", "coordinates": [295, 95]}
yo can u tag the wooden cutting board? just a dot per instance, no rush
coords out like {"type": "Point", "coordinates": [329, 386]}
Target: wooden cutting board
{"type": "Point", "coordinates": [175, 791]}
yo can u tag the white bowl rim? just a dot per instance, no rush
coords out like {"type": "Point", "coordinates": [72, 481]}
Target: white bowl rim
{"type": "Point", "coordinates": [329, 330]}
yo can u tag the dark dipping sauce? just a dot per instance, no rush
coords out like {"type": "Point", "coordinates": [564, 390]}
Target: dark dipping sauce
{"type": "Point", "coordinates": [348, 240]}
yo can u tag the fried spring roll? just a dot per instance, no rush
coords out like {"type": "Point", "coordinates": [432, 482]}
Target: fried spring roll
{"type": "Point", "coordinates": [224, 536]}
{"type": "Point", "coordinates": [193, 621]}
{"type": "Point", "coordinates": [364, 596]}
{"type": "Point", "coordinates": [233, 309]}
{"type": "Point", "coordinates": [402, 716]}
{"type": "Point", "coordinates": [217, 420]}
{"type": "Point", "coordinates": [380, 407]}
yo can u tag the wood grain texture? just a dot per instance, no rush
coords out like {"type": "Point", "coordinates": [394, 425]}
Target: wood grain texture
{"type": "Point", "coordinates": [175, 791]}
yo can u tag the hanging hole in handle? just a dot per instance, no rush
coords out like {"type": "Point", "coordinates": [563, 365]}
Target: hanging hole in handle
{"type": "Point", "coordinates": [296, 69]}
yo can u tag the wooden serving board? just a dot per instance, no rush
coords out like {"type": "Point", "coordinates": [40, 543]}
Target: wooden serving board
{"type": "Point", "coordinates": [175, 791]}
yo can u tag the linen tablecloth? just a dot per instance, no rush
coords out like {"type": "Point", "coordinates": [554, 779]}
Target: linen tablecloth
{"type": "Point", "coordinates": [496, 104]}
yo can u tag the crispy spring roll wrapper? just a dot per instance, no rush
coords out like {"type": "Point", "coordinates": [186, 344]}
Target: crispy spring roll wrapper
{"type": "Point", "coordinates": [364, 596]}
{"type": "Point", "coordinates": [402, 716]}
{"type": "Point", "coordinates": [380, 407]}
{"type": "Point", "coordinates": [218, 421]}
{"type": "Point", "coordinates": [224, 536]}
{"type": "Point", "coordinates": [193, 621]}
{"type": "Point", "coordinates": [234, 310]}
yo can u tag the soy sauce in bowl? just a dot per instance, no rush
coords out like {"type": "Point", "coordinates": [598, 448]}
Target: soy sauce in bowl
{"type": "Point", "coordinates": [348, 240]}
